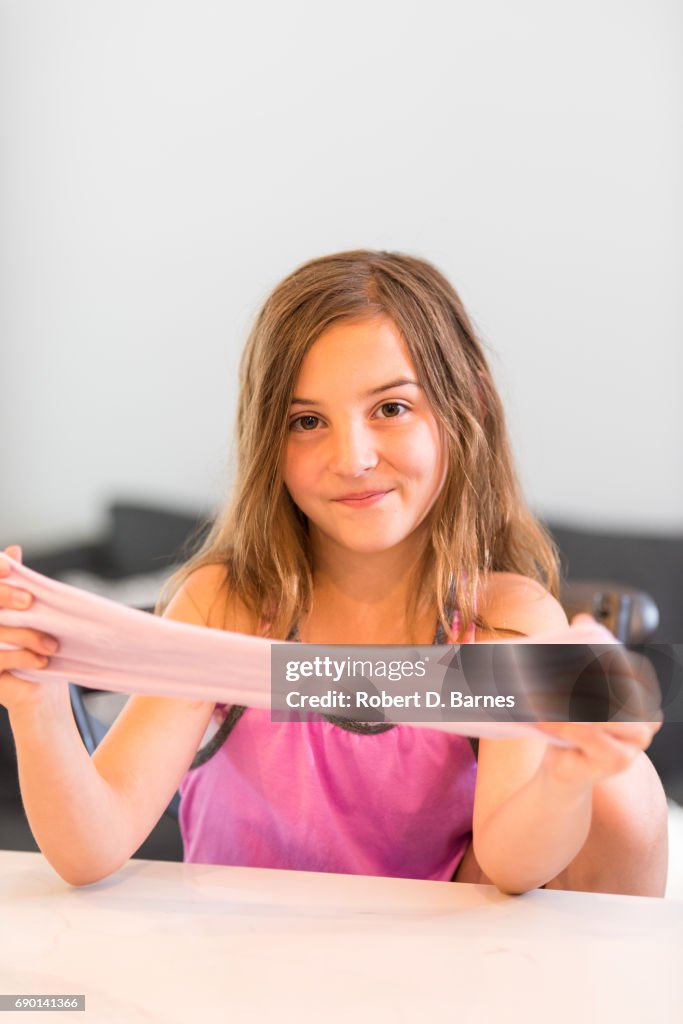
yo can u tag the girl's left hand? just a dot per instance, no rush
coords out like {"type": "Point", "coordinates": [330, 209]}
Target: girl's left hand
{"type": "Point", "coordinates": [600, 749]}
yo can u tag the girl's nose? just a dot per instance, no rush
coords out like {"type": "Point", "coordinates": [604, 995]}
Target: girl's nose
{"type": "Point", "coordinates": [352, 450]}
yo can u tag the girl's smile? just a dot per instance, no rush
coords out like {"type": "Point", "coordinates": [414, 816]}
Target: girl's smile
{"type": "Point", "coordinates": [366, 448]}
{"type": "Point", "coordinates": [362, 500]}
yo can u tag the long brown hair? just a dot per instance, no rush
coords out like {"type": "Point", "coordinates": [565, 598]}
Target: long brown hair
{"type": "Point", "coordinates": [479, 522]}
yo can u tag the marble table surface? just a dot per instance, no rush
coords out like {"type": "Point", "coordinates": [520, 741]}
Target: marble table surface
{"type": "Point", "coordinates": [172, 942]}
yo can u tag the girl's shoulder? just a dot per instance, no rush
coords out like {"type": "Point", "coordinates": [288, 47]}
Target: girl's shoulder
{"type": "Point", "coordinates": [220, 607]}
{"type": "Point", "coordinates": [518, 604]}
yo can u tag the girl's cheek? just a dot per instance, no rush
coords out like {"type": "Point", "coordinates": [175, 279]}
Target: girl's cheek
{"type": "Point", "coordinates": [414, 449]}
{"type": "Point", "coordinates": [301, 471]}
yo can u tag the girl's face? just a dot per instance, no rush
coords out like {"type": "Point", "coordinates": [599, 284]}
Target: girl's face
{"type": "Point", "coordinates": [360, 425]}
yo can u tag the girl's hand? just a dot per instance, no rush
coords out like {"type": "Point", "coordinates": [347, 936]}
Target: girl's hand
{"type": "Point", "coordinates": [33, 646]}
{"type": "Point", "coordinates": [601, 749]}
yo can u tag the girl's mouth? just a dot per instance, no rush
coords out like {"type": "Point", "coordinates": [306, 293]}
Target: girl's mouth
{"type": "Point", "coordinates": [362, 502]}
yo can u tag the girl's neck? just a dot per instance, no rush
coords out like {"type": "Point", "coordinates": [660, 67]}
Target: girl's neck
{"type": "Point", "coordinates": [364, 596]}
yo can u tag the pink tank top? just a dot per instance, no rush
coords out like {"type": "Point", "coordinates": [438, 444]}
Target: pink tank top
{"type": "Point", "coordinates": [313, 796]}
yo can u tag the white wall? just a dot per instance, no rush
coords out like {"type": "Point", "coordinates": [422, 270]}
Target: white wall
{"type": "Point", "coordinates": [164, 164]}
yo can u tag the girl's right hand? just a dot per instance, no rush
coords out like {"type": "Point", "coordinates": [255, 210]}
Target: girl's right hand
{"type": "Point", "coordinates": [34, 647]}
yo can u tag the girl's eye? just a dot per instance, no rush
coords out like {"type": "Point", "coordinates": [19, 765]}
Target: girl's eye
{"type": "Point", "coordinates": [303, 420]}
{"type": "Point", "coordinates": [308, 421]}
{"type": "Point", "coordinates": [393, 405]}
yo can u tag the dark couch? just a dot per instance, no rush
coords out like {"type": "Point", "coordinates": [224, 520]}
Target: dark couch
{"type": "Point", "coordinates": [653, 564]}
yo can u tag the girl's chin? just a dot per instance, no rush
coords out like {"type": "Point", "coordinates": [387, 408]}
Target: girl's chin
{"type": "Point", "coordinates": [367, 541]}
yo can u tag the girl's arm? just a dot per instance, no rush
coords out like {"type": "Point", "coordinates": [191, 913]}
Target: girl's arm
{"type": "Point", "coordinates": [534, 802]}
{"type": "Point", "coordinates": [526, 833]}
{"type": "Point", "coordinates": [88, 823]}
{"type": "Point", "coordinates": [527, 826]}
{"type": "Point", "coordinates": [89, 815]}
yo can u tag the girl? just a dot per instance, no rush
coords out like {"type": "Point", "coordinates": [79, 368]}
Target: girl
{"type": "Point", "coordinates": [375, 502]}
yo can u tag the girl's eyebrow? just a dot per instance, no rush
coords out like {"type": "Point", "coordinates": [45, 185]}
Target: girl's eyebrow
{"type": "Point", "coordinates": [373, 391]}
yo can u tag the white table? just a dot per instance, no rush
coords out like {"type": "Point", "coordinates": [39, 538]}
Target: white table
{"type": "Point", "coordinates": [181, 943]}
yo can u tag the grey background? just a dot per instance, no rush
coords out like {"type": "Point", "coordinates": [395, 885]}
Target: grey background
{"type": "Point", "coordinates": [165, 163]}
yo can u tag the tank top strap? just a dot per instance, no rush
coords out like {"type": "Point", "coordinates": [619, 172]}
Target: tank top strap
{"type": "Point", "coordinates": [220, 736]}
{"type": "Point", "coordinates": [293, 635]}
{"type": "Point", "coordinates": [457, 636]}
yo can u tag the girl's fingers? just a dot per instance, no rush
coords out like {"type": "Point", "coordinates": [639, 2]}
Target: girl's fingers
{"type": "Point", "coordinates": [30, 639]}
{"type": "Point", "coordinates": [7, 681]}
{"type": "Point", "coordinates": [10, 596]}
{"type": "Point", "coordinates": [585, 626]}
{"type": "Point", "coordinates": [583, 619]}
{"type": "Point", "coordinates": [33, 647]}
{"type": "Point", "coordinates": [638, 733]}
{"type": "Point", "coordinates": [22, 659]}
{"type": "Point", "coordinates": [611, 752]}
{"type": "Point", "coordinates": [13, 597]}
{"type": "Point", "coordinates": [591, 736]}
{"type": "Point", "coordinates": [597, 755]}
